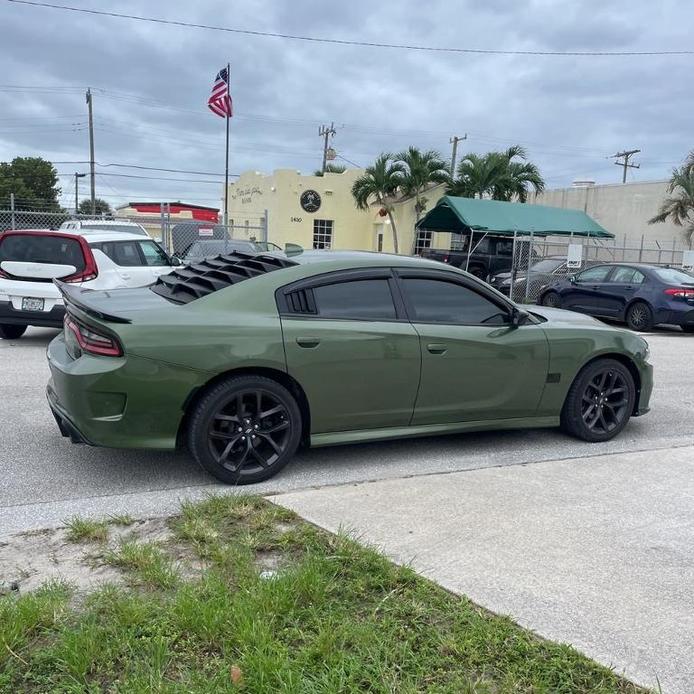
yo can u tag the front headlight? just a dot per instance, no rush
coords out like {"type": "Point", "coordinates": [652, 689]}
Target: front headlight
{"type": "Point", "coordinates": [646, 351]}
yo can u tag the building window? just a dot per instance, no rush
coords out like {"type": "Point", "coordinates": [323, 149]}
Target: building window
{"type": "Point", "coordinates": [322, 233]}
{"type": "Point", "coordinates": [422, 241]}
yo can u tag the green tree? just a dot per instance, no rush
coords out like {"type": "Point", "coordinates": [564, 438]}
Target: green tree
{"type": "Point", "coordinates": [33, 181]}
{"type": "Point", "coordinates": [678, 206]}
{"type": "Point", "coordinates": [421, 171]}
{"type": "Point", "coordinates": [331, 168]}
{"type": "Point", "coordinates": [379, 184]}
{"type": "Point", "coordinates": [500, 175]}
{"type": "Point", "coordinates": [101, 206]}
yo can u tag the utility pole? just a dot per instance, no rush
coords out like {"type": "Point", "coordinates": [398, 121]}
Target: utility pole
{"type": "Point", "coordinates": [454, 141]}
{"type": "Point", "coordinates": [77, 197]}
{"type": "Point", "coordinates": [91, 151]}
{"type": "Point", "coordinates": [626, 155]}
{"type": "Point", "coordinates": [325, 132]}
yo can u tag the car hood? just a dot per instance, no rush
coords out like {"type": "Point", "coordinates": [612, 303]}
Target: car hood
{"type": "Point", "coordinates": [561, 316]}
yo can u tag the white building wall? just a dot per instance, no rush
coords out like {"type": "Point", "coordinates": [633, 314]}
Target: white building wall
{"type": "Point", "coordinates": [623, 209]}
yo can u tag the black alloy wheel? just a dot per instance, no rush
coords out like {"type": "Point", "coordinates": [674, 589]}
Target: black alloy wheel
{"type": "Point", "coordinates": [600, 401]}
{"type": "Point", "coordinates": [551, 300]}
{"type": "Point", "coordinates": [245, 429]}
{"type": "Point", "coordinates": [639, 316]}
{"type": "Point", "coordinates": [12, 332]}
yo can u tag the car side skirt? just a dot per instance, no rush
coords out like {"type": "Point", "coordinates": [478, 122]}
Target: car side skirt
{"type": "Point", "coordinates": [343, 437]}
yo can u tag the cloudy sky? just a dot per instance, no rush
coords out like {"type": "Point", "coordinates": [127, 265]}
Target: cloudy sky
{"type": "Point", "coordinates": [151, 82]}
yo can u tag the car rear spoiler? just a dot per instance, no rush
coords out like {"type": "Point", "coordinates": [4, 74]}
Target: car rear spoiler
{"type": "Point", "coordinates": [79, 297]}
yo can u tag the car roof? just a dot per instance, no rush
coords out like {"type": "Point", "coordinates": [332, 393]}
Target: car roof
{"type": "Point", "coordinates": [100, 236]}
{"type": "Point", "coordinates": [114, 222]}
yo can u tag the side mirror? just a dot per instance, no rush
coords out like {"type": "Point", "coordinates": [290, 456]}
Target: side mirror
{"type": "Point", "coordinates": [573, 279]}
{"type": "Point", "coordinates": [519, 317]}
{"type": "Point", "coordinates": [176, 261]}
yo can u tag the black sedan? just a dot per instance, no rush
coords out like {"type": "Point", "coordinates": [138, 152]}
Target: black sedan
{"type": "Point", "coordinates": [542, 273]}
{"type": "Point", "coordinates": [639, 295]}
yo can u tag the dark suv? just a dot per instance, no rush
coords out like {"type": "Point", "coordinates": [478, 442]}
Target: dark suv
{"type": "Point", "coordinates": [491, 255]}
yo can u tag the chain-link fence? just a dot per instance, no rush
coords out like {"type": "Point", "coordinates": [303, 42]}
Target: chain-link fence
{"type": "Point", "coordinates": [178, 236]}
{"type": "Point", "coordinates": [539, 261]}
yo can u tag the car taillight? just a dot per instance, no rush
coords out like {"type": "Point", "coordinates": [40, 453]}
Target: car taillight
{"type": "Point", "coordinates": [680, 292]}
{"type": "Point", "coordinates": [92, 341]}
{"type": "Point", "coordinates": [90, 271]}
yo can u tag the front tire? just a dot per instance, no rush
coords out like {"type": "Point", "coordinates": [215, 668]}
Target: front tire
{"type": "Point", "coordinates": [551, 300]}
{"type": "Point", "coordinates": [12, 332]}
{"type": "Point", "coordinates": [639, 317]}
{"type": "Point", "coordinates": [599, 402]}
{"type": "Point", "coordinates": [245, 429]}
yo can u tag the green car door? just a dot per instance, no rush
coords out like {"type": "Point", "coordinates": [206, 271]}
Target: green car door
{"type": "Point", "coordinates": [352, 349]}
{"type": "Point", "coordinates": [476, 365]}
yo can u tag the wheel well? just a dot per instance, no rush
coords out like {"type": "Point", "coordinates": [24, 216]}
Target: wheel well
{"type": "Point", "coordinates": [623, 359]}
{"type": "Point", "coordinates": [280, 377]}
{"type": "Point", "coordinates": [637, 301]}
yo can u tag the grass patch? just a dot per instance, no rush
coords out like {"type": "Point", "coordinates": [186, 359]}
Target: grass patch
{"type": "Point", "coordinates": [334, 617]}
{"type": "Point", "coordinates": [121, 519]}
{"type": "Point", "coordinates": [86, 530]}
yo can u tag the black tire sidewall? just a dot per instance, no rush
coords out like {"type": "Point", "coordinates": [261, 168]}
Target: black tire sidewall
{"type": "Point", "coordinates": [12, 332]}
{"type": "Point", "coordinates": [557, 303]}
{"type": "Point", "coordinates": [571, 418]}
{"type": "Point", "coordinates": [649, 314]}
{"type": "Point", "coordinates": [210, 403]}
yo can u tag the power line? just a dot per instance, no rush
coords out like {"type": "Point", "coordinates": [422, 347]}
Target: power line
{"type": "Point", "coordinates": [153, 178]}
{"type": "Point", "coordinates": [345, 42]}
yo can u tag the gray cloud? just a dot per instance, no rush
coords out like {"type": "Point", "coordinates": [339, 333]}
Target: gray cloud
{"type": "Point", "coordinates": [151, 82]}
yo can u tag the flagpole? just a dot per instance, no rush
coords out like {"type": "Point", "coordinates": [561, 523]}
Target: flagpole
{"type": "Point", "coordinates": [226, 170]}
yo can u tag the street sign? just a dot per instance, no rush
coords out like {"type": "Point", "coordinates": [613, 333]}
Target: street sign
{"type": "Point", "coordinates": [205, 231]}
{"type": "Point", "coordinates": [574, 256]}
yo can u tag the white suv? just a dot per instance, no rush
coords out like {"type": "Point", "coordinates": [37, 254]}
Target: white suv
{"type": "Point", "coordinates": [77, 226]}
{"type": "Point", "coordinates": [31, 260]}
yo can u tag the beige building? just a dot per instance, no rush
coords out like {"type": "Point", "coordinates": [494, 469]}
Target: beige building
{"type": "Point", "coordinates": [622, 208]}
{"type": "Point", "coordinates": [319, 212]}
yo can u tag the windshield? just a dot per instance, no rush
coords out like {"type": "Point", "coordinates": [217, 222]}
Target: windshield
{"type": "Point", "coordinates": [547, 265]}
{"type": "Point", "coordinates": [204, 248]}
{"type": "Point", "coordinates": [267, 246]}
{"type": "Point", "coordinates": [670, 275]}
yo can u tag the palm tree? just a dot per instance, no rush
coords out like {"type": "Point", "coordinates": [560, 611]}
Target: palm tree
{"type": "Point", "coordinates": [421, 171]}
{"type": "Point", "coordinates": [679, 205]}
{"type": "Point", "coordinates": [500, 175]}
{"type": "Point", "coordinates": [378, 184]}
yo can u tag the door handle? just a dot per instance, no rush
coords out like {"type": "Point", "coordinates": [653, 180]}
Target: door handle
{"type": "Point", "coordinates": [437, 348]}
{"type": "Point", "coordinates": [125, 275]}
{"type": "Point", "coordinates": [307, 342]}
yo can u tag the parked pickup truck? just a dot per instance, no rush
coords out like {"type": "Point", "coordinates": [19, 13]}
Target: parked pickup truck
{"type": "Point", "coordinates": [493, 254]}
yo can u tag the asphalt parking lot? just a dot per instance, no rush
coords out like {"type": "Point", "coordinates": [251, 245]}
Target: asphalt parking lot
{"type": "Point", "coordinates": [45, 478]}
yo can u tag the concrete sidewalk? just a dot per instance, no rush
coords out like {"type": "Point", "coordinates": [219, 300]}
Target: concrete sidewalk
{"type": "Point", "coordinates": [596, 552]}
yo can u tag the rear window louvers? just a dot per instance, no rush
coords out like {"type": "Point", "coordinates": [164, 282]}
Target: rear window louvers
{"type": "Point", "coordinates": [212, 274]}
{"type": "Point", "coordinates": [301, 301]}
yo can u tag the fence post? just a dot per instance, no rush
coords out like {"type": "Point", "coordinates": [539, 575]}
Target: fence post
{"type": "Point", "coordinates": [641, 249]}
{"type": "Point", "coordinates": [673, 251]}
{"type": "Point", "coordinates": [164, 240]}
{"type": "Point", "coordinates": [12, 220]}
{"type": "Point", "coordinates": [514, 257]}
{"type": "Point", "coordinates": [527, 277]}
{"type": "Point", "coordinates": [265, 227]}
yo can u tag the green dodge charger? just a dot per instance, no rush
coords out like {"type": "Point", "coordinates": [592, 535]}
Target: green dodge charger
{"type": "Point", "coordinates": [241, 358]}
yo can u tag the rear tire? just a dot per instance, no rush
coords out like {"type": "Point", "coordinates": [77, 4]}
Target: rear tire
{"type": "Point", "coordinates": [245, 429]}
{"type": "Point", "coordinates": [639, 317]}
{"type": "Point", "coordinates": [599, 402]}
{"type": "Point", "coordinates": [551, 300]}
{"type": "Point", "coordinates": [12, 332]}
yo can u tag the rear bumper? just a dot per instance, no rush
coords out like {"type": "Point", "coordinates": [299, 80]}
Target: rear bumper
{"type": "Point", "coordinates": [65, 424]}
{"type": "Point", "coordinates": [44, 319]}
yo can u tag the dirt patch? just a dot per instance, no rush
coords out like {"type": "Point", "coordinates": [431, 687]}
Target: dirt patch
{"type": "Point", "coordinates": [30, 559]}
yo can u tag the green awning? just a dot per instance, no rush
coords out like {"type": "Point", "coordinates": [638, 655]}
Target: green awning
{"type": "Point", "coordinates": [460, 215]}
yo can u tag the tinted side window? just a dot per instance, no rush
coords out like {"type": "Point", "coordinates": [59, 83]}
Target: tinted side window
{"type": "Point", "coordinates": [153, 255]}
{"type": "Point", "coordinates": [123, 253]}
{"type": "Point", "coordinates": [358, 300]}
{"type": "Point", "coordinates": [595, 274]}
{"type": "Point", "coordinates": [504, 247]}
{"type": "Point", "coordinates": [28, 248]}
{"type": "Point", "coordinates": [437, 301]}
{"type": "Point", "coordinates": [627, 275]}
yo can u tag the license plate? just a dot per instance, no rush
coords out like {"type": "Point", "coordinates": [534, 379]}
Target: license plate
{"type": "Point", "coordinates": [31, 304]}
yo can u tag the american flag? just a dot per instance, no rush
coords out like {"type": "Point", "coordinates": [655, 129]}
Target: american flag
{"type": "Point", "coordinates": [220, 99]}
